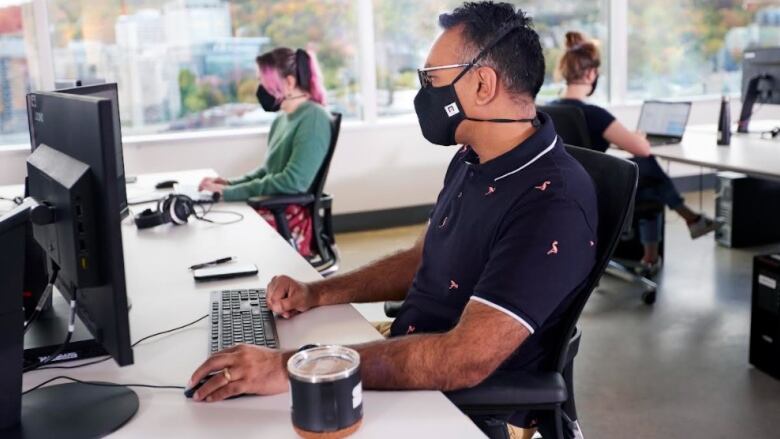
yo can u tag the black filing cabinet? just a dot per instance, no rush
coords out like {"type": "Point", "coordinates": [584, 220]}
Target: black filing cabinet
{"type": "Point", "coordinates": [765, 315]}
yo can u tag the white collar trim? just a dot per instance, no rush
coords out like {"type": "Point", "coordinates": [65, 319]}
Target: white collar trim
{"type": "Point", "coordinates": [538, 156]}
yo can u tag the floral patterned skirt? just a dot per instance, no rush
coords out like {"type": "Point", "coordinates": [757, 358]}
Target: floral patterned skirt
{"type": "Point", "coordinates": [300, 223]}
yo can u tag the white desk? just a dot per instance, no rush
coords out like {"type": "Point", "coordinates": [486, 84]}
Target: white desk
{"type": "Point", "coordinates": [747, 154]}
{"type": "Point", "coordinates": [164, 296]}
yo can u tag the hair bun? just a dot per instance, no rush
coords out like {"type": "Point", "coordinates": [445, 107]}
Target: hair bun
{"type": "Point", "coordinates": [574, 40]}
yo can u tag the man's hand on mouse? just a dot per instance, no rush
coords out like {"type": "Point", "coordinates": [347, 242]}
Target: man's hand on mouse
{"type": "Point", "coordinates": [288, 297]}
{"type": "Point", "coordinates": [243, 369]}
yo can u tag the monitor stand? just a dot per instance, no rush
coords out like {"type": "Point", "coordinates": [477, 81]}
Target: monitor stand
{"type": "Point", "coordinates": [64, 410]}
{"type": "Point", "coordinates": [49, 330]}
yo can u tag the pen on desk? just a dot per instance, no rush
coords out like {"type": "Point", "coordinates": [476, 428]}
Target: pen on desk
{"type": "Point", "coordinates": [208, 264]}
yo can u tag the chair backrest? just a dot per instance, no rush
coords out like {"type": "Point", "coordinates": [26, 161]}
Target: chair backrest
{"type": "Point", "coordinates": [615, 180]}
{"type": "Point", "coordinates": [570, 123]}
{"type": "Point", "coordinates": [318, 185]}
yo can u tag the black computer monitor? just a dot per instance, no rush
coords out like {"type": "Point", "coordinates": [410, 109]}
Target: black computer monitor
{"type": "Point", "coordinates": [62, 119]}
{"type": "Point", "coordinates": [760, 82]}
{"type": "Point", "coordinates": [72, 205]}
{"type": "Point", "coordinates": [107, 91]}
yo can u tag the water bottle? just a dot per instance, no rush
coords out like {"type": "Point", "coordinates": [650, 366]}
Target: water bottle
{"type": "Point", "coordinates": [724, 122]}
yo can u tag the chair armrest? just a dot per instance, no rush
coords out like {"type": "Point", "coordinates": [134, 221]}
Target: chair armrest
{"type": "Point", "coordinates": [506, 391]}
{"type": "Point", "coordinates": [393, 307]}
{"type": "Point", "coordinates": [279, 201]}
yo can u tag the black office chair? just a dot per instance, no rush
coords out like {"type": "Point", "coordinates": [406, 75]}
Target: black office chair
{"type": "Point", "coordinates": [504, 393]}
{"type": "Point", "coordinates": [319, 205]}
{"type": "Point", "coordinates": [570, 123]}
{"type": "Point", "coordinates": [572, 127]}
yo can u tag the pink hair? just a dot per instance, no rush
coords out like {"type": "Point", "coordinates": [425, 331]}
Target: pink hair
{"type": "Point", "coordinates": [272, 82]}
{"type": "Point", "coordinates": [317, 87]}
{"type": "Point", "coordinates": [280, 63]}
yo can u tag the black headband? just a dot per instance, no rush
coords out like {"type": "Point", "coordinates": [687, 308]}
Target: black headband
{"type": "Point", "coordinates": [303, 69]}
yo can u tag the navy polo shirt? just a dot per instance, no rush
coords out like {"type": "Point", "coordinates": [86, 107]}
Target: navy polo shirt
{"type": "Point", "coordinates": [517, 234]}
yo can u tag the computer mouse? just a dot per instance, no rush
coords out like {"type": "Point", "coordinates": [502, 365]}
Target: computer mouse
{"type": "Point", "coordinates": [190, 392]}
{"type": "Point", "coordinates": [167, 184]}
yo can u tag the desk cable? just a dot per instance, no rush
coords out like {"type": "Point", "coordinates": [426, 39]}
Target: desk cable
{"type": "Point", "coordinates": [100, 384]}
{"type": "Point", "coordinates": [202, 217]}
{"type": "Point", "coordinates": [108, 357]}
{"type": "Point", "coordinates": [105, 384]}
{"type": "Point", "coordinates": [16, 200]}
{"type": "Point", "coordinates": [71, 328]}
{"type": "Point", "coordinates": [43, 299]}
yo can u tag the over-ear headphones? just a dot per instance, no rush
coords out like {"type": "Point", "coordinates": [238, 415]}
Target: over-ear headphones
{"type": "Point", "coordinates": [175, 208]}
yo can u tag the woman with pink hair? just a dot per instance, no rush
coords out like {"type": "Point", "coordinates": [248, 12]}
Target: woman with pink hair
{"type": "Point", "coordinates": [290, 81]}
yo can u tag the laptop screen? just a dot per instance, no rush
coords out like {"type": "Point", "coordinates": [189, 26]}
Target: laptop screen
{"type": "Point", "coordinates": [664, 118]}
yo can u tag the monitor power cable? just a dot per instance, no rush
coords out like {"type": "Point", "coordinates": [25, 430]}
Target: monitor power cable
{"type": "Point", "coordinates": [52, 356]}
{"type": "Point", "coordinates": [43, 299]}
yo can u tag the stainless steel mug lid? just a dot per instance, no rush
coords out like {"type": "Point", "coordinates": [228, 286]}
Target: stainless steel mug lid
{"type": "Point", "coordinates": [323, 364]}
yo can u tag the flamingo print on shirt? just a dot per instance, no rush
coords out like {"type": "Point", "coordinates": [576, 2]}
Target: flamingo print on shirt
{"type": "Point", "coordinates": [491, 190]}
{"type": "Point", "coordinates": [543, 187]}
{"type": "Point", "coordinates": [410, 329]}
{"type": "Point", "coordinates": [554, 249]}
{"type": "Point", "coordinates": [453, 285]}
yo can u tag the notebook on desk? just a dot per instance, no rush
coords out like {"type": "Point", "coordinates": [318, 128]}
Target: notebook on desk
{"type": "Point", "coordinates": [664, 122]}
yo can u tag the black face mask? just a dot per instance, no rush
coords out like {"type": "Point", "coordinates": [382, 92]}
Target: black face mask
{"type": "Point", "coordinates": [267, 100]}
{"type": "Point", "coordinates": [439, 110]}
{"type": "Point", "coordinates": [594, 85]}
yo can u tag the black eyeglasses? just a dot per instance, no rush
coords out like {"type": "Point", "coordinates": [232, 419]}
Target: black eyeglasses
{"type": "Point", "coordinates": [425, 78]}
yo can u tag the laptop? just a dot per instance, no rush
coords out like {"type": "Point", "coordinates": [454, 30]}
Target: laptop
{"type": "Point", "coordinates": [664, 122]}
{"type": "Point", "coordinates": [138, 196]}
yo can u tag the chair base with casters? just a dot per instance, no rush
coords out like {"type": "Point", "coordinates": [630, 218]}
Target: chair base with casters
{"type": "Point", "coordinates": [326, 259]}
{"type": "Point", "coordinates": [630, 250]}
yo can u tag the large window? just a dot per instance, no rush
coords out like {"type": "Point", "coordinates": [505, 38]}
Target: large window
{"type": "Point", "coordinates": [552, 21]}
{"type": "Point", "coordinates": [189, 64]}
{"type": "Point", "coordinates": [693, 47]}
{"type": "Point", "coordinates": [14, 73]}
{"type": "Point", "coordinates": [405, 30]}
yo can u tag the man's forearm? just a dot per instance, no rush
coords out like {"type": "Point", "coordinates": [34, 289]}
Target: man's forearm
{"type": "Point", "coordinates": [428, 361]}
{"type": "Point", "coordinates": [385, 279]}
{"type": "Point", "coordinates": [446, 361]}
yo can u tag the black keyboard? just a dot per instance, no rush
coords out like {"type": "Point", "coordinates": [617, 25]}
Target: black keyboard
{"type": "Point", "coordinates": [241, 316]}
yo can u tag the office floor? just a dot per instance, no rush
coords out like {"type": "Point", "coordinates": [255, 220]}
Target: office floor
{"type": "Point", "coordinates": [677, 369]}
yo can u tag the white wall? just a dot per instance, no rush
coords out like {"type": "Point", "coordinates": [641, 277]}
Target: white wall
{"type": "Point", "coordinates": [376, 166]}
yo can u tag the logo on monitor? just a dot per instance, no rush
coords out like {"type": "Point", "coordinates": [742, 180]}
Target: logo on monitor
{"type": "Point", "coordinates": [452, 109]}
{"type": "Point", "coordinates": [39, 116]}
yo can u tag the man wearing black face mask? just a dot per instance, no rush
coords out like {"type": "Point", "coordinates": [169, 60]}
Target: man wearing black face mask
{"type": "Point", "coordinates": [509, 243]}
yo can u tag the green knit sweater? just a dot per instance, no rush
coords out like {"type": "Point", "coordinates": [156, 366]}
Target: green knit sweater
{"type": "Point", "coordinates": [297, 144]}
